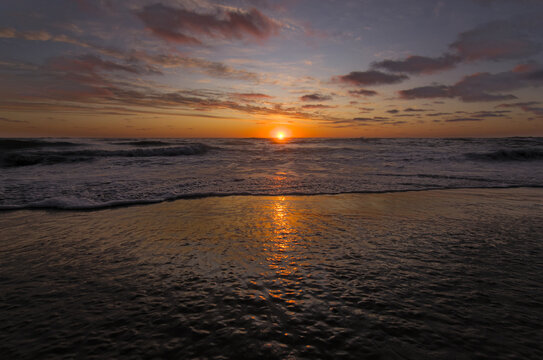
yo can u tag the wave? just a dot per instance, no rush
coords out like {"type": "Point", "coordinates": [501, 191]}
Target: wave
{"type": "Point", "coordinates": [55, 157]}
{"type": "Point", "coordinates": [143, 143]}
{"type": "Point", "coordinates": [14, 144]}
{"type": "Point", "coordinates": [71, 203]}
{"type": "Point", "coordinates": [316, 149]}
{"type": "Point", "coordinates": [508, 155]}
{"type": "Point", "coordinates": [27, 159]}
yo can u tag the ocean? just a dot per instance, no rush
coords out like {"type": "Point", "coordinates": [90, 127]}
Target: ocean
{"type": "Point", "coordinates": [98, 173]}
{"type": "Point", "coordinates": [299, 249]}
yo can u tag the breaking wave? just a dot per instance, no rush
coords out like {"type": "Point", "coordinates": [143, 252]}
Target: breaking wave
{"type": "Point", "coordinates": [74, 203]}
{"type": "Point", "coordinates": [55, 157]}
{"type": "Point", "coordinates": [508, 155]}
{"type": "Point", "coordinates": [143, 143]}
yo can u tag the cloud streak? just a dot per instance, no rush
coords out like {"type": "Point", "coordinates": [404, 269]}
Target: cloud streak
{"type": "Point", "coordinates": [251, 97]}
{"type": "Point", "coordinates": [3, 119]}
{"type": "Point", "coordinates": [534, 107]}
{"type": "Point", "coordinates": [477, 87]}
{"type": "Point", "coordinates": [315, 97]}
{"type": "Point", "coordinates": [363, 92]}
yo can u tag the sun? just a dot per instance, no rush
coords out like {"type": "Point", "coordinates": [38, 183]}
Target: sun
{"type": "Point", "coordinates": [280, 134]}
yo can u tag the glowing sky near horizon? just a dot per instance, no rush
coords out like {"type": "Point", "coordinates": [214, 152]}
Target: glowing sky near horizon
{"type": "Point", "coordinates": [198, 68]}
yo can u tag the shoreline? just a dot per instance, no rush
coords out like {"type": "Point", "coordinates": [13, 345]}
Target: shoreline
{"type": "Point", "coordinates": [49, 204]}
{"type": "Point", "coordinates": [424, 274]}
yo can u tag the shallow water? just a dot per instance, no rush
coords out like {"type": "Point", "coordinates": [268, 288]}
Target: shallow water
{"type": "Point", "coordinates": [432, 274]}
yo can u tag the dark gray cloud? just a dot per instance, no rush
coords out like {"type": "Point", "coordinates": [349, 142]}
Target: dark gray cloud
{"type": "Point", "coordinates": [372, 77]}
{"type": "Point", "coordinates": [363, 92]}
{"type": "Point", "coordinates": [477, 87]}
{"type": "Point", "coordinates": [315, 97]}
{"type": "Point", "coordinates": [497, 40]}
{"type": "Point", "coordinates": [426, 92]}
{"type": "Point", "coordinates": [536, 75]}
{"type": "Point", "coordinates": [491, 114]}
{"type": "Point", "coordinates": [534, 107]}
{"type": "Point", "coordinates": [414, 110]}
{"type": "Point", "coordinates": [419, 64]}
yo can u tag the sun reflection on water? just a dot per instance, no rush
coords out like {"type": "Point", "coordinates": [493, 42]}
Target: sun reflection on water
{"type": "Point", "coordinates": [281, 257]}
{"type": "Point", "coordinates": [282, 229]}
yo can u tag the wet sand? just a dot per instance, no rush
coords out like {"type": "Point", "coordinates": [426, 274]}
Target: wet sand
{"type": "Point", "coordinates": [415, 275]}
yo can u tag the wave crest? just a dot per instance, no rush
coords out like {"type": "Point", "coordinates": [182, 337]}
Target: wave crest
{"type": "Point", "coordinates": [55, 157]}
{"type": "Point", "coordinates": [508, 155]}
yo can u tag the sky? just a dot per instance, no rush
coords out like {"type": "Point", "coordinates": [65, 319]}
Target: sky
{"type": "Point", "coordinates": [240, 68]}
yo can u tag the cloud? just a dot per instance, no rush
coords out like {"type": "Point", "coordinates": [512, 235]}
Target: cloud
{"type": "Point", "coordinates": [371, 77]}
{"type": "Point", "coordinates": [497, 40]}
{"type": "Point", "coordinates": [91, 63]}
{"type": "Point", "coordinates": [491, 114]}
{"type": "Point", "coordinates": [317, 106]}
{"type": "Point", "coordinates": [251, 97]}
{"type": "Point", "coordinates": [3, 119]}
{"type": "Point", "coordinates": [10, 33]}
{"type": "Point", "coordinates": [477, 87]}
{"type": "Point", "coordinates": [488, 2]}
{"type": "Point", "coordinates": [315, 97]}
{"type": "Point", "coordinates": [366, 121]}
{"type": "Point", "coordinates": [186, 26]}
{"type": "Point", "coordinates": [419, 64]}
{"type": "Point", "coordinates": [529, 106]}
{"type": "Point", "coordinates": [83, 91]}
{"type": "Point", "coordinates": [363, 92]}
{"type": "Point", "coordinates": [536, 75]}
{"type": "Point", "coordinates": [393, 111]}
{"type": "Point", "coordinates": [414, 110]}
{"type": "Point", "coordinates": [494, 41]}
{"type": "Point", "coordinates": [426, 92]}
{"type": "Point", "coordinates": [464, 119]}
{"type": "Point", "coordinates": [211, 68]}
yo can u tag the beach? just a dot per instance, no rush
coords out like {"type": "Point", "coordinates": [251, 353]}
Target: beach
{"type": "Point", "coordinates": [398, 275]}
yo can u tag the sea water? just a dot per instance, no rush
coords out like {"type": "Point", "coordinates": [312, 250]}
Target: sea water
{"type": "Point", "coordinates": [446, 274]}
{"type": "Point", "coordinates": [97, 173]}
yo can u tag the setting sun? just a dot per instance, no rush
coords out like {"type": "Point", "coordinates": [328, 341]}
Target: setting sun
{"type": "Point", "coordinates": [281, 133]}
